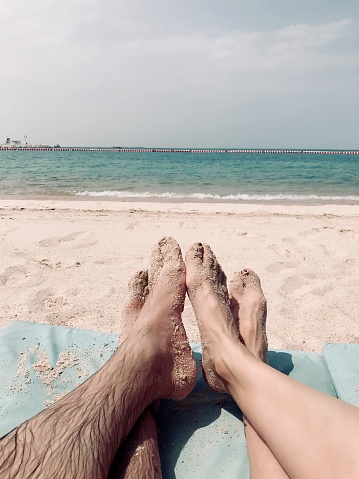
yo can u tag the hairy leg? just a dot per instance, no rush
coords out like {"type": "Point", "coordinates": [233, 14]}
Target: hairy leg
{"type": "Point", "coordinates": [79, 435]}
{"type": "Point", "coordinates": [249, 309]}
{"type": "Point", "coordinates": [312, 435]}
{"type": "Point", "coordinates": [139, 455]}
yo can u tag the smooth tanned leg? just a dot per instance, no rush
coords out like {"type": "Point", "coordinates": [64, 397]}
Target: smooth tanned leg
{"type": "Point", "coordinates": [79, 435]}
{"type": "Point", "coordinates": [249, 309]}
{"type": "Point", "coordinates": [312, 435]}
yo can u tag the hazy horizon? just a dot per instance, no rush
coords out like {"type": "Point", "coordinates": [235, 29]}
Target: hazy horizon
{"type": "Point", "coordinates": [233, 75]}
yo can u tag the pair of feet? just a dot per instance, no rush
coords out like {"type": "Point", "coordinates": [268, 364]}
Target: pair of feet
{"type": "Point", "coordinates": [155, 302]}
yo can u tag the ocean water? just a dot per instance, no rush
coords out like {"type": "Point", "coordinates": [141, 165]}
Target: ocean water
{"type": "Point", "coordinates": [231, 177]}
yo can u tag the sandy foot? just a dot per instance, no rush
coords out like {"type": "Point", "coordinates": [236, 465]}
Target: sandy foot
{"type": "Point", "coordinates": [249, 309]}
{"type": "Point", "coordinates": [160, 317]}
{"type": "Point", "coordinates": [207, 290]}
{"type": "Point", "coordinates": [139, 455]}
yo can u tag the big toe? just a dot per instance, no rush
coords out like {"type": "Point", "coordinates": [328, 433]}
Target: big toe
{"type": "Point", "coordinates": [165, 255]}
{"type": "Point", "coordinates": [250, 278]}
{"type": "Point", "coordinates": [194, 265]}
{"type": "Point", "coordinates": [137, 287]}
{"type": "Point", "coordinates": [202, 264]}
{"type": "Point", "coordinates": [214, 270]}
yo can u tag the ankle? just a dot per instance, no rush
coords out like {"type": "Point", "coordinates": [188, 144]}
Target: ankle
{"type": "Point", "coordinates": [229, 359]}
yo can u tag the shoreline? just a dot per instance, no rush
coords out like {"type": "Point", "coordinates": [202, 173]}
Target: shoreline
{"type": "Point", "coordinates": [113, 203]}
{"type": "Point", "coordinates": [68, 262]}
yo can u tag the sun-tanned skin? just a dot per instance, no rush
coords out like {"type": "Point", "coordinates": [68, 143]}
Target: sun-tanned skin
{"type": "Point", "coordinates": [311, 435]}
{"type": "Point", "coordinates": [79, 435]}
{"type": "Point", "coordinates": [244, 314]}
{"type": "Point", "coordinates": [249, 309]}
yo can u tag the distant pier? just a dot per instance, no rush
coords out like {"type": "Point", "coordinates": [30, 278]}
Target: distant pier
{"type": "Point", "coordinates": [181, 150]}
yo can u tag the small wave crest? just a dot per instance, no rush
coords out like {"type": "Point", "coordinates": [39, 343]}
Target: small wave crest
{"type": "Point", "coordinates": [216, 197]}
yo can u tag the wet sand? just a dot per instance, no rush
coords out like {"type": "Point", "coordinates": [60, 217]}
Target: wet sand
{"type": "Point", "coordinates": [68, 262]}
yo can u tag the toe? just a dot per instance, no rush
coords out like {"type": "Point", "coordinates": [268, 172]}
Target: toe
{"type": "Point", "coordinates": [137, 291]}
{"type": "Point", "coordinates": [166, 252]}
{"type": "Point", "coordinates": [210, 264]}
{"type": "Point", "coordinates": [194, 266]}
{"type": "Point", "coordinates": [236, 284]}
{"type": "Point", "coordinates": [250, 278]}
{"type": "Point", "coordinates": [170, 251]}
{"type": "Point", "coordinates": [214, 272]}
{"type": "Point", "coordinates": [138, 285]}
{"type": "Point", "coordinates": [195, 254]}
{"type": "Point", "coordinates": [209, 258]}
{"type": "Point", "coordinates": [156, 264]}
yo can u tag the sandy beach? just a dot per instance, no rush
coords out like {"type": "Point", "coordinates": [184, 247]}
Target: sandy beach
{"type": "Point", "coordinates": [68, 262]}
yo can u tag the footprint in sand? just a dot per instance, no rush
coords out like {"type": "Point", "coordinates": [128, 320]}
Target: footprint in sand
{"type": "Point", "coordinates": [304, 234]}
{"type": "Point", "coordinates": [48, 242]}
{"type": "Point", "coordinates": [82, 239]}
{"type": "Point", "coordinates": [19, 275]}
{"type": "Point", "coordinates": [131, 226]}
{"type": "Point", "coordinates": [298, 282]}
{"type": "Point", "coordinates": [47, 300]}
{"type": "Point", "coordinates": [289, 240]}
{"type": "Point", "coordinates": [281, 266]}
{"type": "Point", "coordinates": [107, 261]}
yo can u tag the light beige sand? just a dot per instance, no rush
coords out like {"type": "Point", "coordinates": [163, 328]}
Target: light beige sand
{"type": "Point", "coordinates": [68, 262]}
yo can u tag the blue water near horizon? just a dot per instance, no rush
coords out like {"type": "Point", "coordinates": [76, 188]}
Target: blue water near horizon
{"type": "Point", "coordinates": [231, 177]}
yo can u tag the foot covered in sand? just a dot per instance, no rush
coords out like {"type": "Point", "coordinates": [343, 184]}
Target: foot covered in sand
{"type": "Point", "coordinates": [139, 454]}
{"type": "Point", "coordinates": [159, 322]}
{"type": "Point", "coordinates": [137, 292]}
{"type": "Point", "coordinates": [207, 291]}
{"type": "Point", "coordinates": [249, 309]}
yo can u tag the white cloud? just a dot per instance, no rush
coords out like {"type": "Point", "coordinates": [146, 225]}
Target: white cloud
{"type": "Point", "coordinates": [308, 36]}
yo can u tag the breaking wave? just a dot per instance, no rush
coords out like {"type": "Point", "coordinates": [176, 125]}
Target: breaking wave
{"type": "Point", "coordinates": [216, 197]}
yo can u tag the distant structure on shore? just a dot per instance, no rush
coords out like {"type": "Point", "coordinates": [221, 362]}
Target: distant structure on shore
{"type": "Point", "coordinates": [16, 145]}
{"type": "Point", "coordinates": [11, 143]}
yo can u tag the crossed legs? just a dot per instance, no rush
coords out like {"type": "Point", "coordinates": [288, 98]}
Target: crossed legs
{"type": "Point", "coordinates": [297, 431]}
{"type": "Point", "coordinates": [292, 430]}
{"type": "Point", "coordinates": [138, 457]}
{"type": "Point", "coordinates": [79, 435]}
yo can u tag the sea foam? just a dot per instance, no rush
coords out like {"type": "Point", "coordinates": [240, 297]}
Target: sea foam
{"type": "Point", "coordinates": [215, 197]}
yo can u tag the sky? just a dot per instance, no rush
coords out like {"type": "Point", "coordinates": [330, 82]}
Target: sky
{"type": "Point", "coordinates": [180, 73]}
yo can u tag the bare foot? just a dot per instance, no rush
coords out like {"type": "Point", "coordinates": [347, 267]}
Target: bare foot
{"type": "Point", "coordinates": [139, 454]}
{"type": "Point", "coordinates": [160, 321]}
{"type": "Point", "coordinates": [249, 309]}
{"type": "Point", "coordinates": [207, 290]}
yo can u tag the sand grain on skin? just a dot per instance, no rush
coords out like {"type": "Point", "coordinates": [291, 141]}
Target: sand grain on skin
{"type": "Point", "coordinates": [202, 267]}
{"type": "Point", "coordinates": [136, 294]}
{"type": "Point", "coordinates": [249, 309]}
{"type": "Point", "coordinates": [167, 267]}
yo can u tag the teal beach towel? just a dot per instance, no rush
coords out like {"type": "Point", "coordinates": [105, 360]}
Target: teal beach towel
{"type": "Point", "coordinates": [201, 436]}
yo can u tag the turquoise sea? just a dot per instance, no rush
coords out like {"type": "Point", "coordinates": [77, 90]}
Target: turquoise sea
{"type": "Point", "coordinates": [231, 177]}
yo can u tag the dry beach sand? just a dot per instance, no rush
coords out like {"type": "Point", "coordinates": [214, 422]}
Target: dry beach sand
{"type": "Point", "coordinates": [68, 262]}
